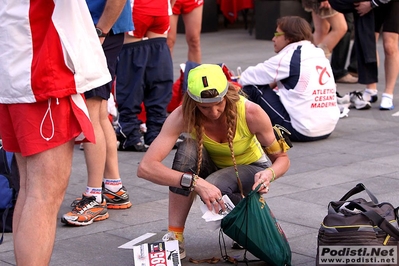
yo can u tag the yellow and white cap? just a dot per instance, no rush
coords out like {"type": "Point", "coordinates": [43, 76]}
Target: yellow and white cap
{"type": "Point", "coordinates": [207, 77]}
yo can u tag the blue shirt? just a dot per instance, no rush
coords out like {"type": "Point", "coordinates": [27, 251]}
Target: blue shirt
{"type": "Point", "coordinates": [124, 22]}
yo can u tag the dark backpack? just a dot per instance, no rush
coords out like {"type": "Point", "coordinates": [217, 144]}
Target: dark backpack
{"type": "Point", "coordinates": [9, 187]}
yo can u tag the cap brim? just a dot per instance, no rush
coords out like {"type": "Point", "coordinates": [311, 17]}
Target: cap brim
{"type": "Point", "coordinates": [209, 100]}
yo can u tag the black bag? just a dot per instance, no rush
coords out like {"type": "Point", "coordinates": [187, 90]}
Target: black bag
{"type": "Point", "coordinates": [9, 187]}
{"type": "Point", "coordinates": [360, 223]}
{"type": "Point", "coordinates": [252, 225]}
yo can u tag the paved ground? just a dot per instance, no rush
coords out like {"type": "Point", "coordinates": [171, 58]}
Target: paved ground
{"type": "Point", "coordinates": [363, 148]}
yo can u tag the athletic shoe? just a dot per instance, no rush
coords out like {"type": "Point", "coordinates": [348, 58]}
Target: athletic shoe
{"type": "Point", "coordinates": [86, 211]}
{"type": "Point", "coordinates": [343, 101]}
{"type": "Point", "coordinates": [116, 200]}
{"type": "Point", "coordinates": [358, 102]}
{"type": "Point", "coordinates": [386, 102]}
{"type": "Point", "coordinates": [171, 236]}
{"type": "Point", "coordinates": [370, 95]}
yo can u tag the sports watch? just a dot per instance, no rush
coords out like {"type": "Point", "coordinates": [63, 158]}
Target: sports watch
{"type": "Point", "coordinates": [100, 33]}
{"type": "Point", "coordinates": [186, 181]}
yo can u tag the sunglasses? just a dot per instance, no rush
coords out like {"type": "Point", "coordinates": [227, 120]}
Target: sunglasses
{"type": "Point", "coordinates": [276, 34]}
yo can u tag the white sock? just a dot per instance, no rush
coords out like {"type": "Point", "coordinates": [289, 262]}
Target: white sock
{"type": "Point", "coordinates": [113, 184]}
{"type": "Point", "coordinates": [387, 95]}
{"type": "Point", "coordinates": [370, 91]}
{"type": "Point", "coordinates": [96, 192]}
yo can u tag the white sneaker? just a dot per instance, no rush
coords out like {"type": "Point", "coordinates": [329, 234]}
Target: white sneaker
{"type": "Point", "coordinates": [343, 102]}
{"type": "Point", "coordinates": [171, 236]}
{"type": "Point", "coordinates": [386, 102]}
{"type": "Point", "coordinates": [358, 102]}
{"type": "Point", "coordinates": [370, 95]}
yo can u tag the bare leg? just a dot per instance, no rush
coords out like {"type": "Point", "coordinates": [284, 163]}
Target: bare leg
{"type": "Point", "coordinates": [111, 163]}
{"type": "Point", "coordinates": [95, 154]}
{"type": "Point", "coordinates": [43, 184]}
{"type": "Point", "coordinates": [179, 207]}
{"type": "Point", "coordinates": [192, 24]}
{"type": "Point", "coordinates": [391, 62]}
{"type": "Point", "coordinates": [171, 40]}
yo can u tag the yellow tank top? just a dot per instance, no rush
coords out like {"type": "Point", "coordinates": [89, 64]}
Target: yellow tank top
{"type": "Point", "coordinates": [247, 148]}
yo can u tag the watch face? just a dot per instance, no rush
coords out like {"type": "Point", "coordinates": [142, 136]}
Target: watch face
{"type": "Point", "coordinates": [186, 180]}
{"type": "Point", "coordinates": [99, 32]}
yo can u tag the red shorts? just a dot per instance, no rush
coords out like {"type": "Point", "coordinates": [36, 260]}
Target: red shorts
{"type": "Point", "coordinates": [186, 6]}
{"type": "Point", "coordinates": [144, 23]}
{"type": "Point", "coordinates": [30, 128]}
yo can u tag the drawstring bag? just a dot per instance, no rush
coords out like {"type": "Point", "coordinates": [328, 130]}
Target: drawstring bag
{"type": "Point", "coordinates": [252, 225]}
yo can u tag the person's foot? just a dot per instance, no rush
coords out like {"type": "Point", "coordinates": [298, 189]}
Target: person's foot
{"type": "Point", "coordinates": [353, 74]}
{"type": "Point", "coordinates": [86, 211]}
{"type": "Point", "coordinates": [117, 200]}
{"type": "Point", "coordinates": [348, 78]}
{"type": "Point", "coordinates": [386, 102]}
{"type": "Point", "coordinates": [171, 236]}
{"type": "Point", "coordinates": [370, 95]}
{"type": "Point", "coordinates": [358, 102]}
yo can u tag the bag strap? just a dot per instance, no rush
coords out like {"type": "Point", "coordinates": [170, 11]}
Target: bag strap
{"type": "Point", "coordinates": [357, 189]}
{"type": "Point", "coordinates": [380, 221]}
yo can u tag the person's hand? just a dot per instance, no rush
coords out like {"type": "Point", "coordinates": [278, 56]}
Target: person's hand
{"type": "Point", "coordinates": [210, 195]}
{"type": "Point", "coordinates": [363, 7]}
{"type": "Point", "coordinates": [263, 177]}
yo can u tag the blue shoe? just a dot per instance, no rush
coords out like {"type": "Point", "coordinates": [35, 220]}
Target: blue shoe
{"type": "Point", "coordinates": [386, 102]}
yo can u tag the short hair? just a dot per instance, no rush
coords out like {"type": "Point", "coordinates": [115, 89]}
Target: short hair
{"type": "Point", "coordinates": [295, 28]}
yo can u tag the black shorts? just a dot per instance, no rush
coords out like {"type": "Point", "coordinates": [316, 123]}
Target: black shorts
{"type": "Point", "coordinates": [112, 46]}
{"type": "Point", "coordinates": [386, 17]}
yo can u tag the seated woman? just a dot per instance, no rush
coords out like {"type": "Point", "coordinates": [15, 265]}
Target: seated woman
{"type": "Point", "coordinates": [296, 87]}
{"type": "Point", "coordinates": [229, 136]}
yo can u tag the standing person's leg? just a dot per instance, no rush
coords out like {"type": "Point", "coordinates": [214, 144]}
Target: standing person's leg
{"type": "Point", "coordinates": [43, 179]}
{"type": "Point", "coordinates": [130, 94]}
{"type": "Point", "coordinates": [95, 153]}
{"type": "Point", "coordinates": [114, 192]}
{"type": "Point", "coordinates": [391, 63]}
{"type": "Point", "coordinates": [390, 36]}
{"type": "Point", "coordinates": [391, 67]}
{"type": "Point", "coordinates": [192, 24]}
{"type": "Point", "coordinates": [159, 82]}
{"type": "Point", "coordinates": [171, 39]}
{"type": "Point", "coordinates": [340, 54]}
